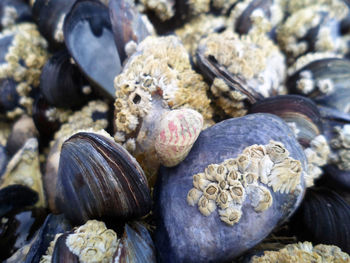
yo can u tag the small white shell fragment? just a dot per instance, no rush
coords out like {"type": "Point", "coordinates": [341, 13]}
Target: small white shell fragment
{"type": "Point", "coordinates": [178, 130]}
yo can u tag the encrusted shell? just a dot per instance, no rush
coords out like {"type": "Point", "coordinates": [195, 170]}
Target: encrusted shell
{"type": "Point", "coordinates": [178, 131]}
{"type": "Point", "coordinates": [98, 178]}
{"type": "Point", "coordinates": [235, 210]}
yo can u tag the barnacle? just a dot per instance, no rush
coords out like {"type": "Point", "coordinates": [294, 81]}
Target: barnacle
{"type": "Point", "coordinates": [23, 62]}
{"type": "Point", "coordinates": [192, 32]}
{"type": "Point", "coordinates": [341, 142]}
{"type": "Point", "coordinates": [93, 242]}
{"type": "Point", "coordinates": [159, 70]}
{"type": "Point", "coordinates": [163, 8]}
{"type": "Point", "coordinates": [317, 156]}
{"type": "Point", "coordinates": [304, 252]}
{"type": "Point", "coordinates": [302, 20]}
{"type": "Point", "coordinates": [253, 58]}
{"type": "Point", "coordinates": [9, 16]}
{"type": "Point", "coordinates": [226, 185]}
{"type": "Point", "coordinates": [261, 22]}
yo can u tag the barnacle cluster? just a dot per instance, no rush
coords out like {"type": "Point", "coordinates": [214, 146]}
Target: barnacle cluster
{"type": "Point", "coordinates": [253, 58]}
{"type": "Point", "coordinates": [9, 16]}
{"type": "Point", "coordinates": [91, 242]}
{"type": "Point", "coordinates": [164, 9]}
{"type": "Point", "coordinates": [24, 60]}
{"type": "Point", "coordinates": [159, 72]}
{"type": "Point", "coordinates": [341, 142]}
{"type": "Point", "coordinates": [317, 156]}
{"type": "Point", "coordinates": [305, 17]}
{"type": "Point", "coordinates": [191, 33]}
{"type": "Point", "coordinates": [262, 21]}
{"type": "Point", "coordinates": [304, 252]}
{"type": "Point", "coordinates": [226, 185]}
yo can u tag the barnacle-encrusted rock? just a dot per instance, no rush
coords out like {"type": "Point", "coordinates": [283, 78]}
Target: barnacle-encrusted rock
{"type": "Point", "coordinates": [253, 61]}
{"type": "Point", "coordinates": [341, 143]}
{"type": "Point", "coordinates": [24, 169]}
{"type": "Point", "coordinates": [157, 78]}
{"type": "Point", "coordinates": [227, 183]}
{"type": "Point", "coordinates": [22, 62]}
{"type": "Point", "coordinates": [241, 207]}
{"type": "Point", "coordinates": [191, 33]}
{"type": "Point", "coordinates": [295, 35]}
{"type": "Point", "coordinates": [317, 156]}
{"type": "Point", "coordinates": [304, 252]}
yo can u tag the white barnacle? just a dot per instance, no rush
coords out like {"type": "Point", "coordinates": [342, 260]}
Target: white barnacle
{"type": "Point", "coordinates": [230, 215]}
{"type": "Point", "coordinates": [224, 186]}
{"type": "Point", "coordinates": [93, 242]}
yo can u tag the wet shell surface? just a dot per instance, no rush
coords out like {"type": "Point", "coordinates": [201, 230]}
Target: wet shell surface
{"type": "Point", "coordinates": [178, 131]}
{"type": "Point", "coordinates": [242, 177]}
{"type": "Point", "coordinates": [98, 178]}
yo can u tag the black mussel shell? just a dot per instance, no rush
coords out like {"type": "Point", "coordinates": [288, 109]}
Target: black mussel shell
{"type": "Point", "coordinates": [323, 218]}
{"type": "Point", "coordinates": [99, 179]}
{"type": "Point", "coordinates": [127, 25]}
{"type": "Point", "coordinates": [49, 16]}
{"type": "Point", "coordinates": [336, 72]}
{"type": "Point", "coordinates": [54, 224]}
{"type": "Point", "coordinates": [294, 109]}
{"type": "Point", "coordinates": [4, 158]}
{"type": "Point", "coordinates": [183, 234]}
{"type": "Point", "coordinates": [61, 253]}
{"type": "Point", "coordinates": [16, 197]}
{"type": "Point", "coordinates": [9, 97]}
{"type": "Point", "coordinates": [136, 245]}
{"type": "Point", "coordinates": [23, 129]}
{"type": "Point", "coordinates": [14, 11]}
{"type": "Point", "coordinates": [17, 229]}
{"type": "Point", "coordinates": [62, 83]}
{"type": "Point", "coordinates": [89, 38]}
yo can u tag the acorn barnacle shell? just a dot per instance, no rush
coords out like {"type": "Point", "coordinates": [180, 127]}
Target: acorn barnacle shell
{"type": "Point", "coordinates": [241, 178]}
{"type": "Point", "coordinates": [230, 184]}
{"type": "Point", "coordinates": [98, 178]}
{"type": "Point", "coordinates": [303, 252]}
{"type": "Point", "coordinates": [178, 131]}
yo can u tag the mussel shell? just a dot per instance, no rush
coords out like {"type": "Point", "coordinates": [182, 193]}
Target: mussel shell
{"type": "Point", "coordinates": [17, 229]}
{"type": "Point", "coordinates": [89, 38]}
{"type": "Point", "coordinates": [54, 224]}
{"type": "Point", "coordinates": [335, 69]}
{"type": "Point", "coordinates": [62, 83]}
{"type": "Point", "coordinates": [15, 197]}
{"type": "Point", "coordinates": [21, 9]}
{"type": "Point", "coordinates": [294, 109]}
{"type": "Point", "coordinates": [3, 159]}
{"type": "Point", "coordinates": [136, 245]}
{"type": "Point", "coordinates": [183, 234]}
{"type": "Point", "coordinates": [323, 218]}
{"type": "Point", "coordinates": [48, 14]}
{"type": "Point", "coordinates": [99, 179]}
{"type": "Point", "coordinates": [127, 25]}
{"type": "Point", "coordinates": [61, 253]}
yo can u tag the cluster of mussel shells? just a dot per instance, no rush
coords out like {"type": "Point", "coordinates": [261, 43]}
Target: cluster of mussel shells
{"type": "Point", "coordinates": [174, 131]}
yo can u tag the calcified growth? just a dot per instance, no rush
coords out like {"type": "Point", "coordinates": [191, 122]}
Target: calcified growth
{"type": "Point", "coordinates": [156, 79]}
{"type": "Point", "coordinates": [341, 143]}
{"type": "Point", "coordinates": [91, 242]}
{"type": "Point", "coordinates": [227, 185]}
{"type": "Point", "coordinates": [293, 34]}
{"type": "Point", "coordinates": [254, 60]}
{"type": "Point", "coordinates": [304, 252]}
{"type": "Point", "coordinates": [24, 60]}
{"type": "Point", "coordinates": [317, 156]}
